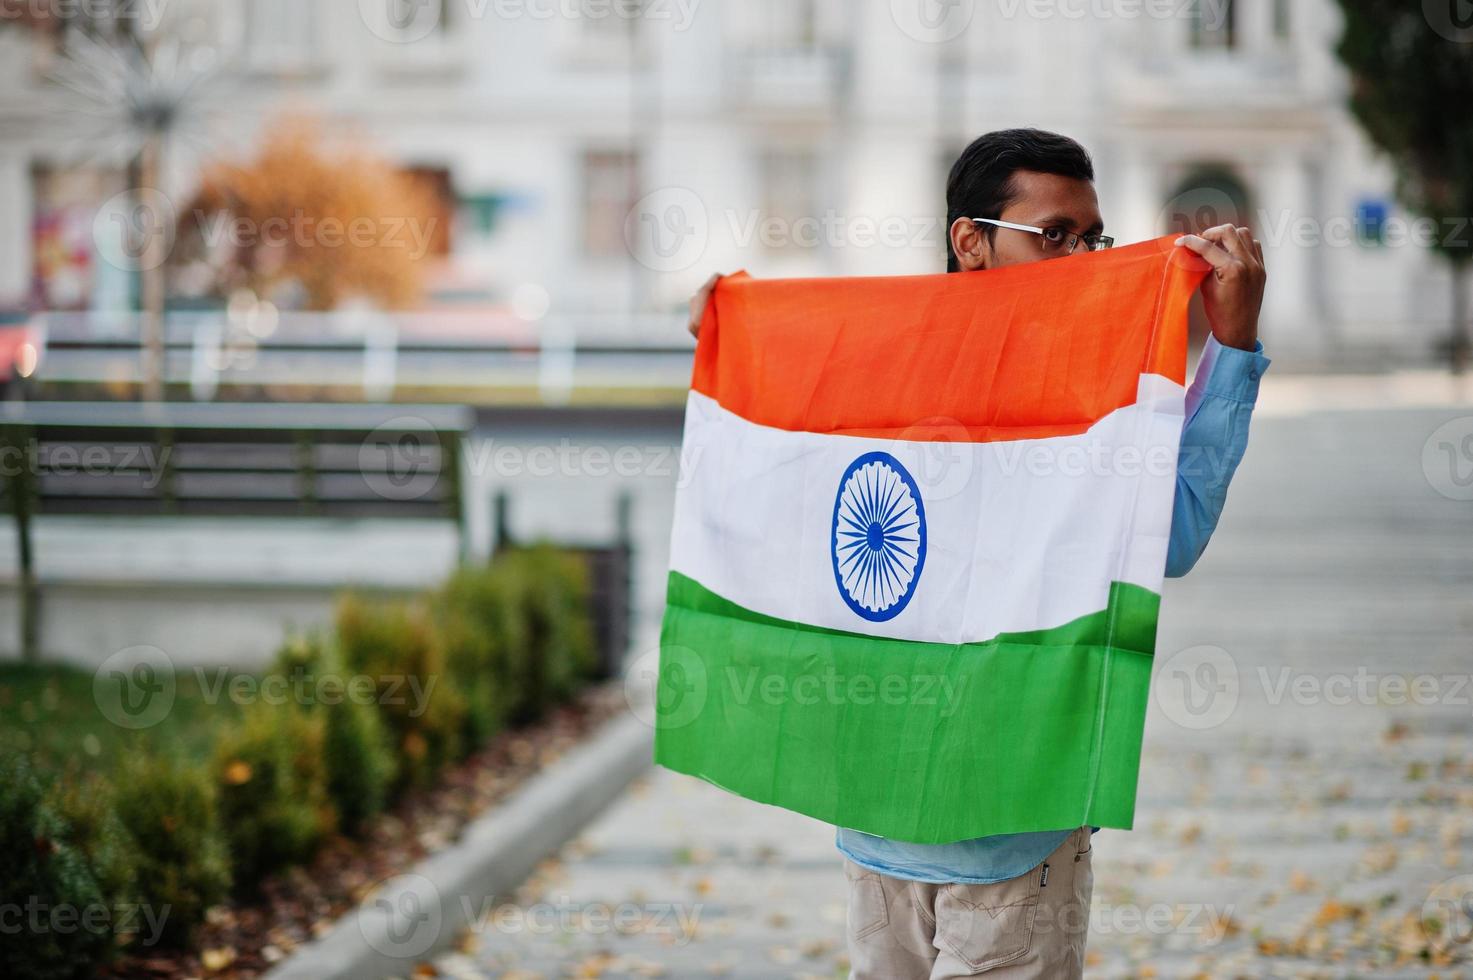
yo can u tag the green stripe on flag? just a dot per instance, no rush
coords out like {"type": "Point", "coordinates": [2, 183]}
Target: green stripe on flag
{"type": "Point", "coordinates": [922, 742]}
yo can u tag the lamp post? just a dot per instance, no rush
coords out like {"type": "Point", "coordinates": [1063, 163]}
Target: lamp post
{"type": "Point", "coordinates": [138, 96]}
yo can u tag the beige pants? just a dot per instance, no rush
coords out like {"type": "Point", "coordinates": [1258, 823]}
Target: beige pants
{"type": "Point", "coordinates": [1032, 926]}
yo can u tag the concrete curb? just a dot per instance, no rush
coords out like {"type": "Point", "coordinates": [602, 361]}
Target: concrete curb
{"type": "Point", "coordinates": [414, 915]}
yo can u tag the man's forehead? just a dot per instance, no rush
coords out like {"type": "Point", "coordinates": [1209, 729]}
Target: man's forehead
{"type": "Point", "coordinates": [1050, 195]}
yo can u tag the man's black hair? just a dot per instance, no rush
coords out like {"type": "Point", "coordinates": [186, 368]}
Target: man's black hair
{"type": "Point", "coordinates": [981, 182]}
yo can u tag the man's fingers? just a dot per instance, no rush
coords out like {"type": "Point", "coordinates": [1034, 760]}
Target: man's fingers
{"type": "Point", "coordinates": [1236, 240]}
{"type": "Point", "coordinates": [698, 304]}
{"type": "Point", "coordinates": [1214, 253]}
{"type": "Point", "coordinates": [1243, 237]}
{"type": "Point", "coordinates": [1241, 242]}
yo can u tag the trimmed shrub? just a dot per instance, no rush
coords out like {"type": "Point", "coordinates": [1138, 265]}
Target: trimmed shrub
{"type": "Point", "coordinates": [480, 620]}
{"type": "Point", "coordinates": [361, 765]}
{"type": "Point", "coordinates": [496, 644]}
{"type": "Point", "coordinates": [168, 809]}
{"type": "Point", "coordinates": [552, 587]}
{"type": "Point", "coordinates": [273, 789]}
{"type": "Point", "coordinates": [394, 643]}
{"type": "Point", "coordinates": [301, 654]}
{"type": "Point", "coordinates": [360, 762]}
{"type": "Point", "coordinates": [86, 807]}
{"type": "Point", "coordinates": [46, 881]}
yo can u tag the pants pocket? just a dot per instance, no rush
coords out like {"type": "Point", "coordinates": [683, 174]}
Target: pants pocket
{"type": "Point", "coordinates": [987, 926]}
{"type": "Point", "coordinates": [868, 912]}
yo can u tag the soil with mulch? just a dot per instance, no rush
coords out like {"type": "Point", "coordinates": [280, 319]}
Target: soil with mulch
{"type": "Point", "coordinates": [248, 937]}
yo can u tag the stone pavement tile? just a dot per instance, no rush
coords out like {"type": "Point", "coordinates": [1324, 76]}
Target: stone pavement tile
{"type": "Point", "coordinates": [1312, 862]}
{"type": "Point", "coordinates": [679, 879]}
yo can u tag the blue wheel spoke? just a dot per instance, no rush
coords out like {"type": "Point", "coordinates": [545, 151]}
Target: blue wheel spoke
{"type": "Point", "coordinates": [874, 576]}
{"type": "Point", "coordinates": [899, 550]}
{"type": "Point", "coordinates": [891, 574]}
{"type": "Point", "coordinates": [869, 498]}
{"type": "Point", "coordinates": [893, 502]}
{"type": "Point", "coordinates": [869, 569]}
{"type": "Point", "coordinates": [909, 509]}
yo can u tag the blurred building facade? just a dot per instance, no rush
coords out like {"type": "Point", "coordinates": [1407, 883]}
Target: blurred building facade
{"type": "Point", "coordinates": [616, 160]}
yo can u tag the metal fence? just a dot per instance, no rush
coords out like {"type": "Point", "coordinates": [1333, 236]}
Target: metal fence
{"type": "Point", "coordinates": [372, 355]}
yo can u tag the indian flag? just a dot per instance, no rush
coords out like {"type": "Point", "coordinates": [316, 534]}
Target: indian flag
{"type": "Point", "coordinates": [919, 543]}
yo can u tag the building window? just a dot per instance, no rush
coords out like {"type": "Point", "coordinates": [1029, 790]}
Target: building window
{"type": "Point", "coordinates": [411, 22]}
{"type": "Point", "coordinates": [66, 236]}
{"type": "Point", "coordinates": [1281, 20]}
{"type": "Point", "coordinates": [610, 191]}
{"type": "Point", "coordinates": [603, 33]}
{"type": "Point", "coordinates": [1371, 215]}
{"type": "Point", "coordinates": [793, 24]}
{"type": "Point", "coordinates": [1209, 195]}
{"type": "Point", "coordinates": [1213, 26]}
{"type": "Point", "coordinates": [281, 35]}
{"type": "Point", "coordinates": [55, 28]}
{"type": "Point", "coordinates": [437, 226]}
{"type": "Point", "coordinates": [478, 214]}
{"type": "Point", "coordinates": [789, 199]}
{"type": "Point", "coordinates": [785, 25]}
{"type": "Point", "coordinates": [608, 25]}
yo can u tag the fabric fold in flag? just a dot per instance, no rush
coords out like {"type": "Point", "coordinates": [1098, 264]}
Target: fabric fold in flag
{"type": "Point", "coordinates": [919, 543]}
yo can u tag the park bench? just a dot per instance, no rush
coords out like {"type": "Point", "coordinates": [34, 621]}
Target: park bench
{"type": "Point", "coordinates": [248, 460]}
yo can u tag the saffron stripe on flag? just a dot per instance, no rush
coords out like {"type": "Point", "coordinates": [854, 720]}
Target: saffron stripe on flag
{"type": "Point", "coordinates": [1026, 351]}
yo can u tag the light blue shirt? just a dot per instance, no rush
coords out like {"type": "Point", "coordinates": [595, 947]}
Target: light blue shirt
{"type": "Point", "coordinates": [1219, 406]}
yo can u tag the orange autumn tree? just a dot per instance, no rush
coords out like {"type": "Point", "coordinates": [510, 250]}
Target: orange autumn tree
{"type": "Point", "coordinates": [335, 219]}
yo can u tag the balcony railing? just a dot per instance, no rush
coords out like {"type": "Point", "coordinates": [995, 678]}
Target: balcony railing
{"type": "Point", "coordinates": [377, 356]}
{"type": "Point", "coordinates": [805, 78]}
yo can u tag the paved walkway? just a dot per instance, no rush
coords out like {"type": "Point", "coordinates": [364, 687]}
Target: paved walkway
{"type": "Point", "coordinates": [1307, 788]}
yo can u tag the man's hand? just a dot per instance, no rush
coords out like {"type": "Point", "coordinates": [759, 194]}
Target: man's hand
{"type": "Point", "coordinates": [698, 304]}
{"type": "Point", "coordinates": [1233, 292]}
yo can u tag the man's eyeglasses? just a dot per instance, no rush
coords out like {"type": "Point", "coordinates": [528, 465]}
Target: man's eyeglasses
{"type": "Point", "coordinates": [1055, 239]}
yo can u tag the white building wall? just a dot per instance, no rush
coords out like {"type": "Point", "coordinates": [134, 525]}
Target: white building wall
{"type": "Point", "coordinates": [511, 105]}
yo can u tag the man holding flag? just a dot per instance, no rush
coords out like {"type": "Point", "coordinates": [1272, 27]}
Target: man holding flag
{"type": "Point", "coordinates": [1008, 904]}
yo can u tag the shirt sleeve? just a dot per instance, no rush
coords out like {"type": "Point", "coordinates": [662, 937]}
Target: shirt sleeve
{"type": "Point", "coordinates": [1218, 409]}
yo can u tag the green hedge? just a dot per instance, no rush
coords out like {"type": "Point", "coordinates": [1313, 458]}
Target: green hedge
{"type": "Point", "coordinates": [47, 875]}
{"type": "Point", "coordinates": [397, 691]}
{"type": "Point", "coordinates": [273, 789]}
{"type": "Point", "coordinates": [169, 810]}
{"type": "Point", "coordinates": [359, 756]}
{"type": "Point", "coordinates": [398, 644]}
{"type": "Point", "coordinates": [552, 586]}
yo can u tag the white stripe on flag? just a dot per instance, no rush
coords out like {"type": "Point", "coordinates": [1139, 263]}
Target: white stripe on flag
{"type": "Point", "coordinates": [1020, 535]}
